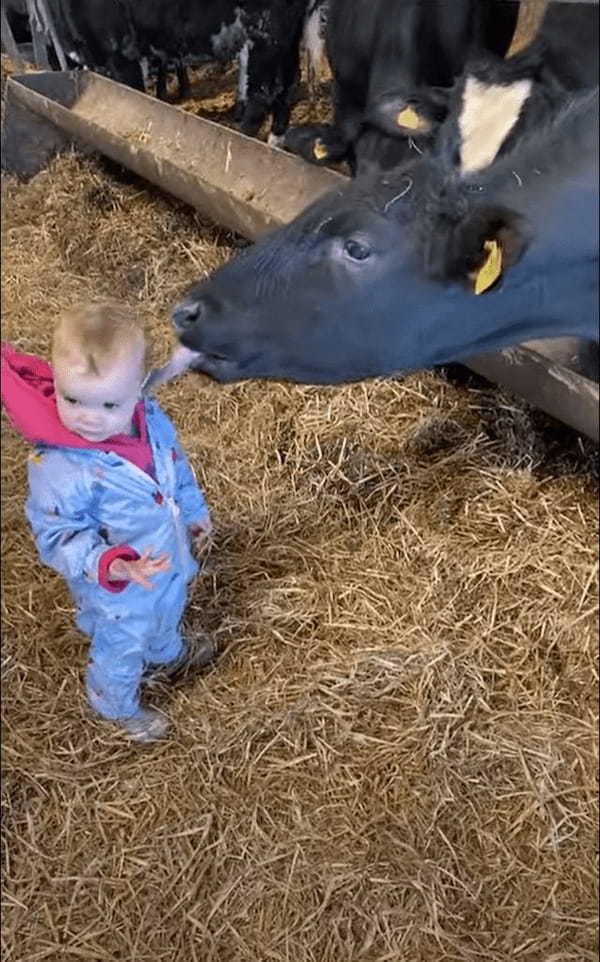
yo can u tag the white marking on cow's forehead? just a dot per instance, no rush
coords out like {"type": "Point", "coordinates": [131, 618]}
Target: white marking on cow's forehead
{"type": "Point", "coordinates": [489, 112]}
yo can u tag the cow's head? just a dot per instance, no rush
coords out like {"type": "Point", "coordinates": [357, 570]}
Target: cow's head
{"type": "Point", "coordinates": [430, 264]}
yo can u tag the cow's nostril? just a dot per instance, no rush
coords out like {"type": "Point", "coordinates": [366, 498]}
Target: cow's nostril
{"type": "Point", "coordinates": [186, 314]}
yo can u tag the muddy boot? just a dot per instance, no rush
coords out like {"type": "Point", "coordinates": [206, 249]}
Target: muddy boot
{"type": "Point", "coordinates": [145, 726]}
{"type": "Point", "coordinates": [195, 654]}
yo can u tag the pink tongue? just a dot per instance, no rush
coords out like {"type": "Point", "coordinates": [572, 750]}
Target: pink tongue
{"type": "Point", "coordinates": [180, 360]}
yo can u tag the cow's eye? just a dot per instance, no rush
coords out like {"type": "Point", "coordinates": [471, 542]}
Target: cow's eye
{"type": "Point", "coordinates": [357, 250]}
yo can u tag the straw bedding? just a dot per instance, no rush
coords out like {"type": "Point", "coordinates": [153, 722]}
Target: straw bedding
{"type": "Point", "coordinates": [394, 758]}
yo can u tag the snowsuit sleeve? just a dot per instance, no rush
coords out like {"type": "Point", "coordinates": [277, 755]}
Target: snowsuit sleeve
{"type": "Point", "coordinates": [190, 499]}
{"type": "Point", "coordinates": [188, 496]}
{"type": "Point", "coordinates": [60, 510]}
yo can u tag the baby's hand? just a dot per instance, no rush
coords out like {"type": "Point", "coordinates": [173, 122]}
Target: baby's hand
{"type": "Point", "coordinates": [141, 570]}
{"type": "Point", "coordinates": [201, 534]}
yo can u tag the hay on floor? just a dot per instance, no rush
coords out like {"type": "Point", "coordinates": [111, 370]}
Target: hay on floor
{"type": "Point", "coordinates": [394, 758]}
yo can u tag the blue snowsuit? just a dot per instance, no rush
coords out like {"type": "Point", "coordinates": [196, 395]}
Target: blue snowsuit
{"type": "Point", "coordinates": [83, 502]}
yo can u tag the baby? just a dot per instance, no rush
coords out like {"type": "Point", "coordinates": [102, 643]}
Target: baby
{"type": "Point", "coordinates": [112, 503]}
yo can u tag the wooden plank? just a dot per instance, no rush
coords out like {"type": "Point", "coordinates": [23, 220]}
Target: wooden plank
{"type": "Point", "coordinates": [548, 384]}
{"type": "Point", "coordinates": [9, 45]}
{"type": "Point", "coordinates": [531, 14]}
{"type": "Point", "coordinates": [39, 12]}
{"type": "Point", "coordinates": [38, 37]}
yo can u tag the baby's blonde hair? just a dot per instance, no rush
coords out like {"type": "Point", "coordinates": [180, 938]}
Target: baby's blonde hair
{"type": "Point", "coordinates": [96, 334]}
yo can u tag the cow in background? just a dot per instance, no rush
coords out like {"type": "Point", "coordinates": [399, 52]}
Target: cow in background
{"type": "Point", "coordinates": [313, 42]}
{"type": "Point", "coordinates": [129, 39]}
{"type": "Point", "coordinates": [393, 64]}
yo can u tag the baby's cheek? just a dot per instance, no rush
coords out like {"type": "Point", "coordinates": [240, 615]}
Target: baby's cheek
{"type": "Point", "coordinates": [121, 422]}
{"type": "Point", "coordinates": [117, 425]}
{"type": "Point", "coordinates": [65, 415]}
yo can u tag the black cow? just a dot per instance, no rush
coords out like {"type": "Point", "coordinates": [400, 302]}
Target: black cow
{"type": "Point", "coordinates": [122, 37]}
{"type": "Point", "coordinates": [18, 20]}
{"type": "Point", "coordinates": [393, 64]}
{"type": "Point", "coordinates": [465, 249]}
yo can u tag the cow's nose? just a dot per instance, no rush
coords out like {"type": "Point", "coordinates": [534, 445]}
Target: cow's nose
{"type": "Point", "coordinates": [186, 314]}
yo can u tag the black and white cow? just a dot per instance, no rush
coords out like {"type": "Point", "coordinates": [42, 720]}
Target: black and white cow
{"type": "Point", "coordinates": [393, 64]}
{"type": "Point", "coordinates": [313, 40]}
{"type": "Point", "coordinates": [127, 38]}
{"type": "Point", "coordinates": [487, 240]}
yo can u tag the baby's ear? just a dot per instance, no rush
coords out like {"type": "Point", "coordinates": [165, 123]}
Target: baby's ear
{"type": "Point", "coordinates": [477, 250]}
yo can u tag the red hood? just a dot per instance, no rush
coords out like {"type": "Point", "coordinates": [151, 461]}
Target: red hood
{"type": "Point", "coordinates": [28, 396]}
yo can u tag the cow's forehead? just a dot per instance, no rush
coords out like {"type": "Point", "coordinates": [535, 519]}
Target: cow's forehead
{"type": "Point", "coordinates": [389, 196]}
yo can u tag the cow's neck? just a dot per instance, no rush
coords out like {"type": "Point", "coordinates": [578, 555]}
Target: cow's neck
{"type": "Point", "coordinates": [532, 307]}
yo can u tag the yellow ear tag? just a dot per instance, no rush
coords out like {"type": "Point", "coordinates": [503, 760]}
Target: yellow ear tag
{"type": "Point", "coordinates": [319, 150]}
{"type": "Point", "coordinates": [409, 118]}
{"type": "Point", "coordinates": [490, 270]}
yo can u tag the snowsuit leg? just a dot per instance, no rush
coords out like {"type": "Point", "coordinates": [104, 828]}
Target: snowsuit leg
{"type": "Point", "coordinates": [115, 666]}
{"type": "Point", "coordinates": [165, 642]}
{"type": "Point", "coordinates": [122, 646]}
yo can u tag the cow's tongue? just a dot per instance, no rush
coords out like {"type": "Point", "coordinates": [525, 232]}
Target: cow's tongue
{"type": "Point", "coordinates": [180, 360]}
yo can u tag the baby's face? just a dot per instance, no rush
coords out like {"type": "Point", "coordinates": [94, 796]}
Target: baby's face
{"type": "Point", "coordinates": [97, 407]}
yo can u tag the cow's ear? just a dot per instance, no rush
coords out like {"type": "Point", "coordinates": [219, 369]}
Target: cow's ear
{"type": "Point", "coordinates": [400, 115]}
{"type": "Point", "coordinates": [478, 250]}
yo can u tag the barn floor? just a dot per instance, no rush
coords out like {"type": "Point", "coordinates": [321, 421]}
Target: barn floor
{"type": "Point", "coordinates": [394, 758]}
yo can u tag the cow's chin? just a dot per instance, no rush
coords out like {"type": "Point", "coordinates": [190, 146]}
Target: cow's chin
{"type": "Point", "coordinates": [261, 368]}
{"type": "Point", "coordinates": [219, 369]}
{"type": "Point", "coordinates": [265, 366]}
